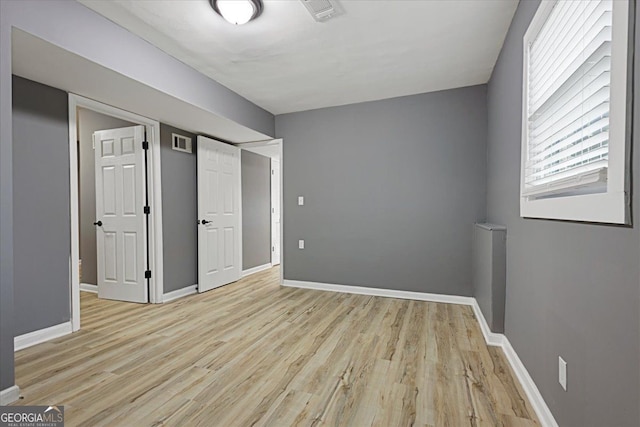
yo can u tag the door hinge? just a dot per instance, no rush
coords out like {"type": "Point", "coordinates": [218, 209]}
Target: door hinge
{"type": "Point", "coordinates": [147, 274]}
{"type": "Point", "coordinates": [147, 210]}
{"type": "Point", "coordinates": [145, 145]}
{"type": "Point", "coordinates": [273, 172]}
{"type": "Point", "coordinates": [273, 248]}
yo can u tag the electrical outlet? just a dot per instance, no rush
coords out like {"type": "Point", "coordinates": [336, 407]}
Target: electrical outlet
{"type": "Point", "coordinates": [300, 200]}
{"type": "Point", "coordinates": [562, 373]}
{"type": "Point", "coordinates": [300, 244]}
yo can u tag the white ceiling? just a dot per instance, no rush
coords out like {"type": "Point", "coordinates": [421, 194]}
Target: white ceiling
{"type": "Point", "coordinates": [285, 61]}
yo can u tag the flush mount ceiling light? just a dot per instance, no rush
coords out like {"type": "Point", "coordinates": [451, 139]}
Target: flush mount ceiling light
{"type": "Point", "coordinates": [237, 12]}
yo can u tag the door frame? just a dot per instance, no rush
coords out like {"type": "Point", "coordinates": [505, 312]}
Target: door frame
{"type": "Point", "coordinates": [155, 198]}
{"type": "Point", "coordinates": [279, 143]}
{"type": "Point", "coordinates": [272, 161]}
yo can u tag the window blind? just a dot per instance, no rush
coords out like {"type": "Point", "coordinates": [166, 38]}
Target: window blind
{"type": "Point", "coordinates": [568, 96]}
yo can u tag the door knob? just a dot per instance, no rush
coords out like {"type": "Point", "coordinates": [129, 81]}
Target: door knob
{"type": "Point", "coordinates": [204, 222]}
{"type": "Point", "coordinates": [98, 223]}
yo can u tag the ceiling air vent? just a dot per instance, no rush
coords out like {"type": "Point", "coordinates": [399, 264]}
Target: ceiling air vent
{"type": "Point", "coordinates": [322, 10]}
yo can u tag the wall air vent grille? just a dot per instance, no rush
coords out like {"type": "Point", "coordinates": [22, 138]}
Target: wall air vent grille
{"type": "Point", "coordinates": [322, 10]}
{"type": "Point", "coordinates": [181, 143]}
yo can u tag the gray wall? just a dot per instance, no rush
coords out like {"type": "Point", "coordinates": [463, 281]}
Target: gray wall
{"type": "Point", "coordinates": [391, 189]}
{"type": "Point", "coordinates": [6, 206]}
{"type": "Point", "coordinates": [572, 289]}
{"type": "Point", "coordinates": [489, 273]}
{"type": "Point", "coordinates": [179, 212]}
{"type": "Point", "coordinates": [89, 122]}
{"type": "Point", "coordinates": [81, 31]}
{"type": "Point", "coordinates": [40, 206]}
{"type": "Point", "coordinates": [256, 210]}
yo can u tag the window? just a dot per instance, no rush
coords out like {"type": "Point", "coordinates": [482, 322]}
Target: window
{"type": "Point", "coordinates": [576, 124]}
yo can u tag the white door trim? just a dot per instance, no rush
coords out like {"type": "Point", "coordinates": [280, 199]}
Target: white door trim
{"type": "Point", "coordinates": [278, 142]}
{"type": "Point", "coordinates": [155, 198]}
{"type": "Point", "coordinates": [275, 239]}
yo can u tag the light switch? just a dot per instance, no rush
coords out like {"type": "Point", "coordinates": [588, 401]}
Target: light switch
{"type": "Point", "coordinates": [300, 244]}
{"type": "Point", "coordinates": [300, 200]}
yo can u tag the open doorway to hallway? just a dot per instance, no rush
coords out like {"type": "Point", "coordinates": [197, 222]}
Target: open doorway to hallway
{"type": "Point", "coordinates": [88, 122]}
{"type": "Point", "coordinates": [115, 200]}
{"type": "Point", "coordinates": [262, 189]}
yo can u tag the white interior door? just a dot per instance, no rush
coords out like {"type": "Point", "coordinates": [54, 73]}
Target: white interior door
{"type": "Point", "coordinates": [275, 211]}
{"type": "Point", "coordinates": [219, 216]}
{"type": "Point", "coordinates": [120, 219]}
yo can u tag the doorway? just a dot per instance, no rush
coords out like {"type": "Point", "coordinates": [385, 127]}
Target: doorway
{"type": "Point", "coordinates": [88, 122]}
{"type": "Point", "coordinates": [273, 150]}
{"type": "Point", "coordinates": [84, 244]}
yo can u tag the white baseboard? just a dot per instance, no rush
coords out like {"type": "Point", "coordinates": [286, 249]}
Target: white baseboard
{"type": "Point", "coordinates": [493, 339]}
{"type": "Point", "coordinates": [535, 398]}
{"type": "Point", "coordinates": [257, 269]}
{"type": "Point", "coordinates": [89, 288]}
{"type": "Point", "coordinates": [379, 292]}
{"type": "Point", "coordinates": [174, 295]}
{"type": "Point", "coordinates": [36, 337]}
{"type": "Point", "coordinates": [9, 395]}
{"type": "Point", "coordinates": [528, 385]}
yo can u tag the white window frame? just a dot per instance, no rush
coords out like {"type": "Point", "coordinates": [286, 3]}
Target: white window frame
{"type": "Point", "coordinates": [612, 206]}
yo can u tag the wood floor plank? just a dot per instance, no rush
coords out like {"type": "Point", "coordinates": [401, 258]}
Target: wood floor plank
{"type": "Point", "coordinates": [254, 353]}
{"type": "Point", "coordinates": [287, 410]}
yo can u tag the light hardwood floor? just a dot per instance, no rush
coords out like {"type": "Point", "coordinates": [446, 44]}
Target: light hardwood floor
{"type": "Point", "coordinates": [253, 353]}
